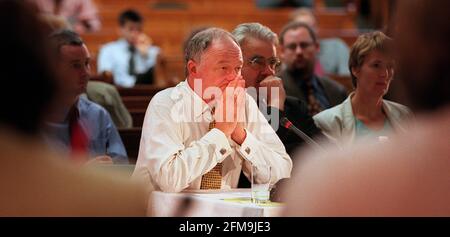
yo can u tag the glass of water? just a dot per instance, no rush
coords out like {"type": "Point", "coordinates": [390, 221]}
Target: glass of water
{"type": "Point", "coordinates": [261, 175]}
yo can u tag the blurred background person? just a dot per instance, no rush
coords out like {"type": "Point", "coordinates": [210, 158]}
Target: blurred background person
{"type": "Point", "coordinates": [333, 53]}
{"type": "Point", "coordinates": [81, 126]}
{"type": "Point", "coordinates": [299, 48]}
{"type": "Point", "coordinates": [407, 176]}
{"type": "Point", "coordinates": [35, 181]}
{"type": "Point", "coordinates": [82, 15]}
{"type": "Point", "coordinates": [365, 113]}
{"type": "Point", "coordinates": [132, 59]}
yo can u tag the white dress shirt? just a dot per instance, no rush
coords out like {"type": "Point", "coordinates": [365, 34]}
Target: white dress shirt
{"type": "Point", "coordinates": [115, 57]}
{"type": "Point", "coordinates": [176, 147]}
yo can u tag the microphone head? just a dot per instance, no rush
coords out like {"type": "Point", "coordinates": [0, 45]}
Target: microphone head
{"type": "Point", "coordinates": [285, 122]}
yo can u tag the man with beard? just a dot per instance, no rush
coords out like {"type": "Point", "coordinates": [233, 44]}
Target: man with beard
{"type": "Point", "coordinates": [299, 48]}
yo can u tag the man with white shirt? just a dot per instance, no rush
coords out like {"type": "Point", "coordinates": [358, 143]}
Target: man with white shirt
{"type": "Point", "coordinates": [132, 59]}
{"type": "Point", "coordinates": [203, 132]}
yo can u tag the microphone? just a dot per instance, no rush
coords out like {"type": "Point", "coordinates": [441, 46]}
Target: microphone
{"type": "Point", "coordinates": [289, 125]}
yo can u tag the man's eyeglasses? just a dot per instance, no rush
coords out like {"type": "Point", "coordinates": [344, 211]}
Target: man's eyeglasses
{"type": "Point", "coordinates": [260, 63]}
{"type": "Point", "coordinates": [302, 45]}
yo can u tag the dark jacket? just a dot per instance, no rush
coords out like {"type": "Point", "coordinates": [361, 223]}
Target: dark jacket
{"type": "Point", "coordinates": [297, 112]}
{"type": "Point", "coordinates": [334, 92]}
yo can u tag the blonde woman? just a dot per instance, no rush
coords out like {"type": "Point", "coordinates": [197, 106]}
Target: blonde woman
{"type": "Point", "coordinates": [365, 113]}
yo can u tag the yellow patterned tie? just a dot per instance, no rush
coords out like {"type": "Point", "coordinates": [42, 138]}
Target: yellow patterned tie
{"type": "Point", "coordinates": [212, 179]}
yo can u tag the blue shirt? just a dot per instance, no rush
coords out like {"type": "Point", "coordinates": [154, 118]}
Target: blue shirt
{"type": "Point", "coordinates": [103, 136]}
{"type": "Point", "coordinates": [333, 56]}
{"type": "Point", "coordinates": [115, 57]}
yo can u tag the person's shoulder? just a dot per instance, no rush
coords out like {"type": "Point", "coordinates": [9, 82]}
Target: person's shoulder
{"type": "Point", "coordinates": [154, 48]}
{"type": "Point", "coordinates": [112, 45]}
{"type": "Point", "coordinates": [396, 105]}
{"type": "Point", "coordinates": [295, 103]}
{"type": "Point", "coordinates": [101, 86]}
{"type": "Point", "coordinates": [401, 109]}
{"type": "Point", "coordinates": [327, 80]}
{"type": "Point", "coordinates": [331, 115]}
{"type": "Point", "coordinates": [331, 83]}
{"type": "Point", "coordinates": [91, 107]}
{"type": "Point", "coordinates": [283, 74]}
{"type": "Point", "coordinates": [167, 97]}
{"type": "Point", "coordinates": [333, 42]}
{"type": "Point", "coordinates": [250, 101]}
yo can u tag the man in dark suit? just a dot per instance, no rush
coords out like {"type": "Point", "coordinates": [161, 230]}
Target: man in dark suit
{"type": "Point", "coordinates": [299, 48]}
{"type": "Point", "coordinates": [259, 50]}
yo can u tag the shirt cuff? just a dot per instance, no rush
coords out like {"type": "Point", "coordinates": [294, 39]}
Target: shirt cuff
{"type": "Point", "coordinates": [222, 146]}
{"type": "Point", "coordinates": [248, 148]}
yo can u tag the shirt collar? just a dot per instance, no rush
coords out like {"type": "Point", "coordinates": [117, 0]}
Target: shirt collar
{"type": "Point", "coordinates": [124, 43]}
{"type": "Point", "coordinates": [192, 100]}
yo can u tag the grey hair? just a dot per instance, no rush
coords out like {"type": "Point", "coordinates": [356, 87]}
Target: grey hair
{"type": "Point", "coordinates": [201, 41]}
{"type": "Point", "coordinates": [255, 30]}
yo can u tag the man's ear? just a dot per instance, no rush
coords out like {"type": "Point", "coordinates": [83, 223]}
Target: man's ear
{"type": "Point", "coordinates": [192, 68]}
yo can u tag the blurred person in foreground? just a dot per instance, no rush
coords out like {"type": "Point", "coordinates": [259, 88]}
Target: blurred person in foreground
{"type": "Point", "coordinates": [365, 114]}
{"type": "Point", "coordinates": [34, 181]}
{"type": "Point", "coordinates": [407, 176]}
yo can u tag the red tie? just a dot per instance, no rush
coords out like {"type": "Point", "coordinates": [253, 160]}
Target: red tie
{"type": "Point", "coordinates": [78, 138]}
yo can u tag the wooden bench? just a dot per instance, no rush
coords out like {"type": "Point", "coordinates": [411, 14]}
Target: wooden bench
{"type": "Point", "coordinates": [139, 90]}
{"type": "Point", "coordinates": [136, 102]}
{"type": "Point", "coordinates": [131, 138]}
{"type": "Point", "coordinates": [138, 116]}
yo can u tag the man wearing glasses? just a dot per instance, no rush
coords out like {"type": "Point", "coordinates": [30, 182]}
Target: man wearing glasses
{"type": "Point", "coordinates": [259, 50]}
{"type": "Point", "coordinates": [299, 47]}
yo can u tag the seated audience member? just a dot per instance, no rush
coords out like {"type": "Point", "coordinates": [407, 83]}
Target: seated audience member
{"type": "Point", "coordinates": [299, 46]}
{"type": "Point", "coordinates": [202, 133]}
{"type": "Point", "coordinates": [407, 176]}
{"type": "Point", "coordinates": [333, 54]}
{"type": "Point", "coordinates": [365, 113]}
{"type": "Point", "coordinates": [81, 126]}
{"type": "Point", "coordinates": [99, 92]}
{"type": "Point", "coordinates": [132, 59]}
{"type": "Point", "coordinates": [35, 181]}
{"type": "Point", "coordinates": [259, 51]}
{"type": "Point", "coordinates": [80, 14]}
